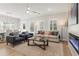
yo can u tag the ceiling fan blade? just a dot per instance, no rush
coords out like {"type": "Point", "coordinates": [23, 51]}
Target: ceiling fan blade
{"type": "Point", "coordinates": [33, 11]}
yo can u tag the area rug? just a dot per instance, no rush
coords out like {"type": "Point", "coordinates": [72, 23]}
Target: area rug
{"type": "Point", "coordinates": [54, 49]}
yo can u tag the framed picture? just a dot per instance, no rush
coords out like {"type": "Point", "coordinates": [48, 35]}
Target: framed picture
{"type": "Point", "coordinates": [32, 27]}
{"type": "Point", "coordinates": [51, 25]}
{"type": "Point", "coordinates": [23, 26]}
{"type": "Point", "coordinates": [73, 18]}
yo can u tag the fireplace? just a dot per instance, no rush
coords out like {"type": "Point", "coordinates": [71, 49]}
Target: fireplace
{"type": "Point", "coordinates": [74, 40]}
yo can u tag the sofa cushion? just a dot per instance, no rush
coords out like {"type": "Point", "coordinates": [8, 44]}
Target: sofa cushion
{"type": "Point", "coordinates": [50, 33]}
{"type": "Point", "coordinates": [41, 32]}
{"type": "Point", "coordinates": [19, 39]}
{"type": "Point", "coordinates": [24, 32]}
{"type": "Point", "coordinates": [55, 33]}
{"type": "Point", "coordinates": [11, 34]}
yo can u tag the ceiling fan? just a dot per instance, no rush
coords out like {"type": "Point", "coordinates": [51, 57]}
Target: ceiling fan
{"type": "Point", "coordinates": [29, 10]}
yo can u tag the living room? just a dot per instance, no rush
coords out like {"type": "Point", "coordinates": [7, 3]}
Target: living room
{"type": "Point", "coordinates": [35, 29]}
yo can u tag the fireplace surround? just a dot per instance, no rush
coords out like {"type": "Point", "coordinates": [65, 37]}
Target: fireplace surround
{"type": "Point", "coordinates": [74, 40]}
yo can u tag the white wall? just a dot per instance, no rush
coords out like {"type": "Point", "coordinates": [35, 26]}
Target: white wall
{"type": "Point", "coordinates": [74, 29]}
{"type": "Point", "coordinates": [61, 18]}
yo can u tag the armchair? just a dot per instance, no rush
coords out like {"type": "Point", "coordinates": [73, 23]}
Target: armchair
{"type": "Point", "coordinates": [11, 38]}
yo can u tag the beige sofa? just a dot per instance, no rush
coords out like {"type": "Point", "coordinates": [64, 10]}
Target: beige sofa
{"type": "Point", "coordinates": [52, 35]}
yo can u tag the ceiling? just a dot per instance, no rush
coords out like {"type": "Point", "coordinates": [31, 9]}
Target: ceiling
{"type": "Point", "coordinates": [19, 9]}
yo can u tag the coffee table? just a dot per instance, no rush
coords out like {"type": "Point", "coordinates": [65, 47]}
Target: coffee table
{"type": "Point", "coordinates": [43, 42]}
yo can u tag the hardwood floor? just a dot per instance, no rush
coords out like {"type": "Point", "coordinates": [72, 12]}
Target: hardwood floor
{"type": "Point", "coordinates": [5, 51]}
{"type": "Point", "coordinates": [66, 50]}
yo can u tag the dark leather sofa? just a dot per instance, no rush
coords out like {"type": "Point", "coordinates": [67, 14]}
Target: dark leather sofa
{"type": "Point", "coordinates": [26, 35]}
{"type": "Point", "coordinates": [13, 38]}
